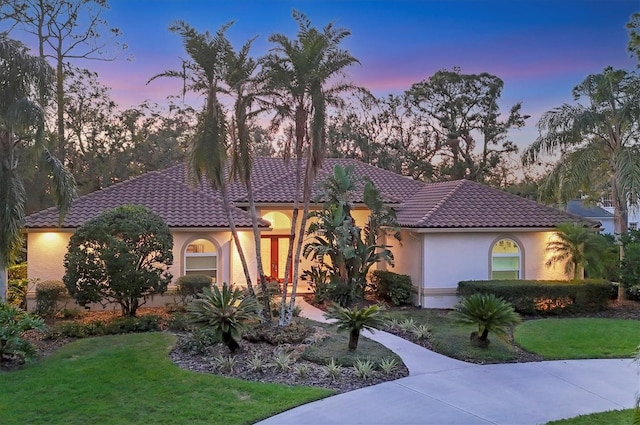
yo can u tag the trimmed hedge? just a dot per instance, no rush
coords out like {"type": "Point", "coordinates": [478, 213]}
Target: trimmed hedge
{"type": "Point", "coordinates": [392, 286]}
{"type": "Point", "coordinates": [544, 296]}
{"type": "Point", "coordinates": [189, 286]}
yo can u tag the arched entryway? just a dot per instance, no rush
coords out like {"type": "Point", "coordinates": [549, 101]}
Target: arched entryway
{"type": "Point", "coordinates": [275, 244]}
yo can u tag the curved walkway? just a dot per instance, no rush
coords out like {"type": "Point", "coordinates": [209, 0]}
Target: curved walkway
{"type": "Point", "coordinates": [443, 391]}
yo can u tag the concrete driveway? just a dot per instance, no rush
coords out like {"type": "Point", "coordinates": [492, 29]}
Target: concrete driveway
{"type": "Point", "coordinates": [443, 391]}
{"type": "Point", "coordinates": [504, 394]}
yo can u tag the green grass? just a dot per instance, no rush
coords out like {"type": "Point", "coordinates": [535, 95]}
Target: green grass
{"type": "Point", "coordinates": [129, 379]}
{"type": "Point", "coordinates": [583, 338]}
{"type": "Point", "coordinates": [613, 417]}
{"type": "Point", "coordinates": [337, 347]}
{"type": "Point", "coordinates": [453, 340]}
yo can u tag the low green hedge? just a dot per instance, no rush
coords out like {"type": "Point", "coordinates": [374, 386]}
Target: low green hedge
{"type": "Point", "coordinates": [545, 296]}
{"type": "Point", "coordinates": [392, 286]}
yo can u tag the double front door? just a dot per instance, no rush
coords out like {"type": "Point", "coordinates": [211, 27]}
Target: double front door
{"type": "Point", "coordinates": [274, 255]}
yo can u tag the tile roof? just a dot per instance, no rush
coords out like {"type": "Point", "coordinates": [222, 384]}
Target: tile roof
{"type": "Point", "coordinates": [457, 204]}
{"type": "Point", "coordinates": [173, 200]}
{"type": "Point", "coordinates": [467, 204]}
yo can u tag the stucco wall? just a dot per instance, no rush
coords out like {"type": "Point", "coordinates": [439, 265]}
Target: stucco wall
{"type": "Point", "coordinates": [407, 256]}
{"type": "Point", "coordinates": [452, 257]}
{"type": "Point", "coordinates": [45, 255]}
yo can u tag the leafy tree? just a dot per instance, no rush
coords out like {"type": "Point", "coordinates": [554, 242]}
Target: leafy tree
{"type": "Point", "coordinates": [598, 143]}
{"type": "Point", "coordinates": [633, 26]}
{"type": "Point", "coordinates": [352, 251]}
{"type": "Point", "coordinates": [205, 73]}
{"type": "Point", "coordinates": [388, 132]}
{"type": "Point", "coordinates": [13, 323]}
{"type": "Point", "coordinates": [122, 256]}
{"type": "Point", "coordinates": [225, 311]}
{"type": "Point", "coordinates": [490, 313]}
{"type": "Point", "coordinates": [463, 108]}
{"type": "Point", "coordinates": [298, 74]}
{"type": "Point", "coordinates": [356, 319]}
{"type": "Point", "coordinates": [578, 248]}
{"type": "Point", "coordinates": [64, 30]}
{"type": "Point", "coordinates": [22, 145]}
{"type": "Point", "coordinates": [630, 264]}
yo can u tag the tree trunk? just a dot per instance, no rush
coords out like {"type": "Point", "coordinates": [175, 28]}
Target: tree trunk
{"type": "Point", "coordinates": [354, 336]}
{"type": "Point", "coordinates": [292, 238]}
{"type": "Point", "coordinates": [236, 239]}
{"type": "Point", "coordinates": [60, 143]}
{"type": "Point", "coordinates": [266, 313]}
{"type": "Point", "coordinates": [4, 284]}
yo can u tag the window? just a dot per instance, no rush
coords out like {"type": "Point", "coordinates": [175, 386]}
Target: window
{"type": "Point", "coordinates": [606, 201]}
{"type": "Point", "coordinates": [201, 257]}
{"type": "Point", "coordinates": [505, 260]}
{"type": "Point", "coordinates": [633, 226]}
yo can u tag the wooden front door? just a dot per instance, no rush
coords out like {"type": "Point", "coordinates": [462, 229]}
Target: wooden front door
{"type": "Point", "coordinates": [274, 255]}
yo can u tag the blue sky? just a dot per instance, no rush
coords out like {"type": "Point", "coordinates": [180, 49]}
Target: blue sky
{"type": "Point", "coordinates": [540, 48]}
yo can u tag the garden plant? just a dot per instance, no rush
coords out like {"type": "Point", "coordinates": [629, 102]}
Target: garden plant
{"type": "Point", "coordinates": [355, 319]}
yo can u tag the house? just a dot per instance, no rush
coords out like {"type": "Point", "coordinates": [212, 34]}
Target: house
{"type": "Point", "coordinates": [451, 231]}
{"type": "Point", "coordinates": [592, 212]}
{"type": "Point", "coordinates": [633, 217]}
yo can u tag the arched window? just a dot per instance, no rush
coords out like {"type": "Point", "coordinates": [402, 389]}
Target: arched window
{"type": "Point", "coordinates": [506, 260]}
{"type": "Point", "coordinates": [201, 257]}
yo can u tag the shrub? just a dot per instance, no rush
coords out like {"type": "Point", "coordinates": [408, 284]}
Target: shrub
{"type": "Point", "coordinates": [189, 286]}
{"type": "Point", "coordinates": [630, 264]}
{"type": "Point", "coordinates": [13, 323]}
{"type": "Point", "coordinates": [293, 333]}
{"type": "Point", "coordinates": [318, 278]}
{"type": "Point", "coordinates": [178, 322]}
{"type": "Point", "coordinates": [51, 298]}
{"type": "Point", "coordinates": [199, 340]}
{"type": "Point", "coordinates": [17, 285]}
{"type": "Point", "coordinates": [489, 313]}
{"type": "Point", "coordinates": [122, 256]}
{"type": "Point", "coordinates": [633, 293]}
{"type": "Point", "coordinates": [364, 368]}
{"type": "Point", "coordinates": [544, 297]}
{"type": "Point", "coordinates": [355, 320]}
{"type": "Point", "coordinates": [225, 311]}
{"type": "Point", "coordinates": [392, 286]}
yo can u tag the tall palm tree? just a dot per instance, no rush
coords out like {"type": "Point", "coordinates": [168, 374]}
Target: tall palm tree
{"type": "Point", "coordinates": [598, 142]}
{"type": "Point", "coordinates": [298, 75]}
{"type": "Point", "coordinates": [243, 87]}
{"type": "Point", "coordinates": [578, 248]}
{"type": "Point", "coordinates": [205, 74]}
{"type": "Point", "coordinates": [21, 144]}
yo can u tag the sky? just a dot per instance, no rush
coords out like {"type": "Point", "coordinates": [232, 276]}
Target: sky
{"type": "Point", "coordinates": [541, 49]}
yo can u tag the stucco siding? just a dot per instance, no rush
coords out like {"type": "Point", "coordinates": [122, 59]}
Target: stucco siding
{"type": "Point", "coordinates": [407, 256]}
{"type": "Point", "coordinates": [45, 257]}
{"type": "Point", "coordinates": [451, 257]}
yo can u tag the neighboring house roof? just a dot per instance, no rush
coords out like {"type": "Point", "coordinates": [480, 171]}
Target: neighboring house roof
{"type": "Point", "coordinates": [457, 204]}
{"type": "Point", "coordinates": [467, 204]}
{"type": "Point", "coordinates": [577, 207]}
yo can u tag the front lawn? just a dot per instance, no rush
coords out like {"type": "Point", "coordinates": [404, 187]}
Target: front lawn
{"type": "Point", "coordinates": [581, 338]}
{"type": "Point", "coordinates": [130, 379]}
{"type": "Point", "coordinates": [453, 340]}
{"type": "Point", "coordinates": [613, 417]}
{"type": "Point", "coordinates": [547, 339]}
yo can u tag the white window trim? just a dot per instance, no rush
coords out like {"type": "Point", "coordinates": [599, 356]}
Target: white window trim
{"type": "Point", "coordinates": [520, 257]}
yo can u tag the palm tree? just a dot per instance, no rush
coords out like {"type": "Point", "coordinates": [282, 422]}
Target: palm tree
{"type": "Point", "coordinates": [578, 248]}
{"type": "Point", "coordinates": [598, 142]}
{"type": "Point", "coordinates": [21, 144]}
{"type": "Point", "coordinates": [206, 73]}
{"type": "Point", "coordinates": [243, 87]}
{"type": "Point", "coordinates": [297, 74]}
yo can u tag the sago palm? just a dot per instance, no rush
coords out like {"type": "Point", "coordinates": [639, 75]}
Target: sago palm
{"type": "Point", "coordinates": [355, 319]}
{"type": "Point", "coordinates": [489, 313]}
{"type": "Point", "coordinates": [225, 311]}
{"type": "Point", "coordinates": [22, 79]}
